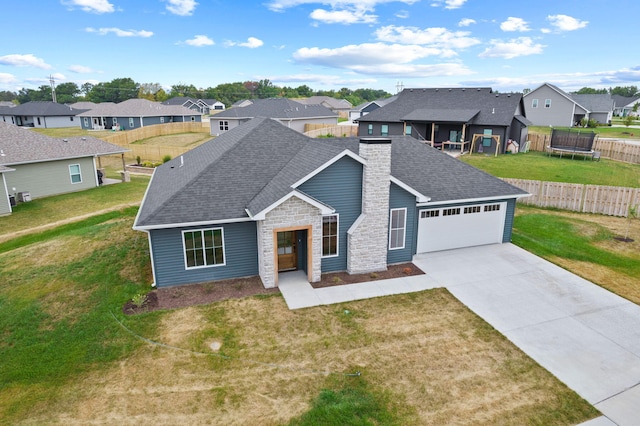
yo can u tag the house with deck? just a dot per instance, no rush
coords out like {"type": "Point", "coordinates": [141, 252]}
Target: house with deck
{"type": "Point", "coordinates": [33, 165]}
{"type": "Point", "coordinates": [288, 112]}
{"type": "Point", "coordinates": [465, 119]}
{"type": "Point", "coordinates": [263, 199]}
{"type": "Point", "coordinates": [135, 113]}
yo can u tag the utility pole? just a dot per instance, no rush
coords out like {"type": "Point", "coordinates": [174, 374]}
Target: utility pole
{"type": "Point", "coordinates": [399, 87]}
{"type": "Point", "coordinates": [52, 82]}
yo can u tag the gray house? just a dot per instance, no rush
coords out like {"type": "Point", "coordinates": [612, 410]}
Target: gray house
{"type": "Point", "coordinates": [339, 106]}
{"type": "Point", "coordinates": [548, 105]}
{"type": "Point", "coordinates": [459, 118]}
{"type": "Point", "coordinates": [41, 114]}
{"type": "Point", "coordinates": [263, 199]}
{"type": "Point", "coordinates": [366, 107]}
{"type": "Point", "coordinates": [34, 165]}
{"type": "Point", "coordinates": [624, 105]}
{"type": "Point", "coordinates": [135, 113]}
{"type": "Point", "coordinates": [204, 106]}
{"type": "Point", "coordinates": [290, 113]}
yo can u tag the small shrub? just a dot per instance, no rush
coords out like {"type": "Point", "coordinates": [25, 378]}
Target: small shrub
{"type": "Point", "coordinates": [336, 280]}
{"type": "Point", "coordinates": [407, 271]}
{"type": "Point", "coordinates": [139, 300]}
{"type": "Point", "coordinates": [138, 159]}
{"type": "Point", "coordinates": [166, 159]}
{"type": "Point", "coordinates": [374, 275]}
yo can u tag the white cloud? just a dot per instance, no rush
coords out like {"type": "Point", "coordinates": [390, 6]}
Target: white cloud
{"type": "Point", "coordinates": [80, 69]}
{"type": "Point", "coordinates": [120, 33]}
{"type": "Point", "coordinates": [181, 7]}
{"type": "Point", "coordinates": [28, 60]}
{"type": "Point", "coordinates": [436, 37]}
{"type": "Point", "coordinates": [281, 5]}
{"type": "Point", "coordinates": [449, 4]}
{"type": "Point", "coordinates": [251, 43]}
{"type": "Point", "coordinates": [6, 78]}
{"type": "Point", "coordinates": [515, 24]}
{"type": "Point", "coordinates": [522, 46]}
{"type": "Point", "coordinates": [566, 23]}
{"type": "Point", "coordinates": [199, 41]}
{"type": "Point", "coordinates": [356, 16]}
{"type": "Point", "coordinates": [402, 14]}
{"type": "Point", "coordinates": [465, 22]}
{"type": "Point", "coordinates": [415, 70]}
{"type": "Point", "coordinates": [92, 6]}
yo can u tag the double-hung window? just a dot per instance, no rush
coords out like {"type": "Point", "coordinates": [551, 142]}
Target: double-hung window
{"type": "Point", "coordinates": [397, 228]}
{"type": "Point", "coordinates": [384, 130]}
{"type": "Point", "coordinates": [131, 122]}
{"type": "Point", "coordinates": [203, 247]}
{"type": "Point", "coordinates": [534, 103]}
{"type": "Point", "coordinates": [370, 129]}
{"type": "Point", "coordinates": [74, 173]}
{"type": "Point", "coordinates": [547, 103]}
{"type": "Point", "coordinates": [330, 235]}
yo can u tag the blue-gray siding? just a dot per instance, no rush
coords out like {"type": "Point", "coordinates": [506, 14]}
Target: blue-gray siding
{"type": "Point", "coordinates": [399, 198]}
{"type": "Point", "coordinates": [340, 186]}
{"type": "Point", "coordinates": [508, 220]}
{"type": "Point", "coordinates": [241, 255]}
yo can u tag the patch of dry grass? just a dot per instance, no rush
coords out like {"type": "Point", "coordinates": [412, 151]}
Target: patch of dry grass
{"type": "Point", "coordinates": [176, 140]}
{"type": "Point", "coordinates": [441, 363]}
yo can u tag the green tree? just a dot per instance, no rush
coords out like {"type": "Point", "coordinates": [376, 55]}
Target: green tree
{"type": "Point", "coordinates": [304, 91]}
{"type": "Point", "coordinates": [149, 90]}
{"type": "Point", "coordinates": [626, 91]}
{"type": "Point", "coordinates": [266, 89]}
{"type": "Point", "coordinates": [188, 90]}
{"type": "Point", "coordinates": [85, 89]}
{"type": "Point", "coordinates": [117, 90]}
{"type": "Point", "coordinates": [228, 93]}
{"type": "Point", "coordinates": [6, 95]}
{"type": "Point", "coordinates": [591, 91]}
{"type": "Point", "coordinates": [67, 93]}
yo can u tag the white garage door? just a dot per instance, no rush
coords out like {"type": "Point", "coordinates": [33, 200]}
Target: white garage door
{"type": "Point", "coordinates": [464, 226]}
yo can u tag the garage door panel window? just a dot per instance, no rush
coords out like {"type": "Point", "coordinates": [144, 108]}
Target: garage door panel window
{"type": "Point", "coordinates": [397, 228]}
{"type": "Point", "coordinates": [472, 209]}
{"type": "Point", "coordinates": [451, 212]}
{"type": "Point", "coordinates": [425, 214]}
{"type": "Point", "coordinates": [492, 207]}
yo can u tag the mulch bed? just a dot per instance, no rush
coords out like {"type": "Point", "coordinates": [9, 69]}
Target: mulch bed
{"type": "Point", "coordinates": [237, 288]}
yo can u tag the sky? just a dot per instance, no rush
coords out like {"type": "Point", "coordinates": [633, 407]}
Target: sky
{"type": "Point", "coordinates": [379, 44]}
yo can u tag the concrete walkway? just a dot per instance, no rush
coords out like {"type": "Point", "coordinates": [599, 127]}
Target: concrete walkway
{"type": "Point", "coordinates": [586, 336]}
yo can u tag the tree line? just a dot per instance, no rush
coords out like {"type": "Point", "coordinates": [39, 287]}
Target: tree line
{"type": "Point", "coordinates": [121, 89]}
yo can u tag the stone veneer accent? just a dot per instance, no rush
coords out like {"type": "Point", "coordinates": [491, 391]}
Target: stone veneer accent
{"type": "Point", "coordinates": [368, 238]}
{"type": "Point", "coordinates": [292, 213]}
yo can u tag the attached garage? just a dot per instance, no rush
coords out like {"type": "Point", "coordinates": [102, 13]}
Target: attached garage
{"type": "Point", "coordinates": [452, 227]}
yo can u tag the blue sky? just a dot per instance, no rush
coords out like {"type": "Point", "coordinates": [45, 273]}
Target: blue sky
{"type": "Point", "coordinates": [379, 44]}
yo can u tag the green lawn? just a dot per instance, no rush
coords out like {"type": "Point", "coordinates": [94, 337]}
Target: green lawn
{"type": "Point", "coordinates": [617, 131]}
{"type": "Point", "coordinates": [539, 166]}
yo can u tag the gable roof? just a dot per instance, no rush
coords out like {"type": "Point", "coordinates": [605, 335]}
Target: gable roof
{"type": "Point", "coordinates": [137, 108]}
{"type": "Point", "coordinates": [624, 101]}
{"type": "Point", "coordinates": [246, 171]}
{"type": "Point", "coordinates": [594, 102]}
{"type": "Point", "coordinates": [380, 102]}
{"type": "Point", "coordinates": [22, 145]}
{"type": "Point", "coordinates": [328, 101]}
{"type": "Point", "coordinates": [491, 108]}
{"type": "Point", "coordinates": [45, 109]}
{"type": "Point", "coordinates": [278, 108]}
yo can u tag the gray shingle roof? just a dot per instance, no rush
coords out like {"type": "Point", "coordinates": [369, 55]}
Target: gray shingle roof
{"type": "Point", "coordinates": [254, 165]}
{"type": "Point", "coordinates": [495, 108]}
{"type": "Point", "coordinates": [45, 109]}
{"type": "Point", "coordinates": [623, 101]}
{"type": "Point", "coordinates": [136, 108]}
{"type": "Point", "coordinates": [278, 108]}
{"type": "Point", "coordinates": [21, 145]}
{"type": "Point", "coordinates": [594, 102]}
{"type": "Point", "coordinates": [442, 115]}
{"type": "Point", "coordinates": [332, 103]}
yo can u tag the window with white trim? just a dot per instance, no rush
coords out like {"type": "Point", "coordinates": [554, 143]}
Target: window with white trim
{"type": "Point", "coordinates": [224, 125]}
{"type": "Point", "coordinates": [193, 118]}
{"type": "Point", "coordinates": [384, 130]}
{"type": "Point", "coordinates": [330, 235]}
{"type": "Point", "coordinates": [547, 103]}
{"type": "Point", "coordinates": [75, 173]}
{"type": "Point", "coordinates": [86, 122]}
{"type": "Point", "coordinates": [130, 121]}
{"type": "Point", "coordinates": [370, 129]}
{"type": "Point", "coordinates": [203, 247]}
{"type": "Point", "coordinates": [534, 103]}
{"type": "Point", "coordinates": [407, 130]}
{"type": "Point", "coordinates": [161, 120]}
{"type": "Point", "coordinates": [397, 228]}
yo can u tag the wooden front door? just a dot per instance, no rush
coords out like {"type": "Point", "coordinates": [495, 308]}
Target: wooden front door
{"type": "Point", "coordinates": [287, 255]}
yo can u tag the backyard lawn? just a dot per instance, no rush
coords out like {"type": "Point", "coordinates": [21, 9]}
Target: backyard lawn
{"type": "Point", "coordinates": [539, 166]}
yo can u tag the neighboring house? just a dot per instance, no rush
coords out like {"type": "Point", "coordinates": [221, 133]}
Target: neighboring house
{"type": "Point", "coordinates": [42, 114]}
{"type": "Point", "coordinates": [623, 105]}
{"type": "Point", "coordinates": [366, 107]}
{"type": "Point", "coordinates": [6, 114]}
{"type": "Point", "coordinates": [262, 199]}
{"type": "Point", "coordinates": [339, 106]}
{"type": "Point", "coordinates": [451, 116]}
{"type": "Point", "coordinates": [290, 113]}
{"type": "Point", "coordinates": [135, 113]}
{"type": "Point", "coordinates": [40, 166]}
{"type": "Point", "coordinates": [204, 106]}
{"type": "Point", "coordinates": [548, 105]}
{"type": "Point", "coordinates": [7, 104]}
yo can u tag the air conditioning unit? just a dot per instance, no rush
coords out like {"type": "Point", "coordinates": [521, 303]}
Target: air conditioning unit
{"type": "Point", "coordinates": [24, 197]}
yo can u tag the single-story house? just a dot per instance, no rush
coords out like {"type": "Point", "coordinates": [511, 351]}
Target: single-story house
{"type": "Point", "coordinates": [548, 105]}
{"type": "Point", "coordinates": [204, 106]}
{"type": "Point", "coordinates": [366, 107]}
{"type": "Point", "coordinates": [34, 165]}
{"type": "Point", "coordinates": [263, 199]}
{"type": "Point", "coordinates": [339, 106]}
{"type": "Point", "coordinates": [41, 114]}
{"type": "Point", "coordinates": [135, 113]}
{"type": "Point", "coordinates": [624, 105]}
{"type": "Point", "coordinates": [290, 113]}
{"type": "Point", "coordinates": [461, 118]}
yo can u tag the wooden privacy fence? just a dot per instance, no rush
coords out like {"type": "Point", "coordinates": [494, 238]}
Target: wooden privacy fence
{"type": "Point", "coordinates": [612, 149]}
{"type": "Point", "coordinates": [126, 137]}
{"type": "Point", "coordinates": [607, 200]}
{"type": "Point", "coordinates": [315, 130]}
{"type": "Point", "coordinates": [153, 153]}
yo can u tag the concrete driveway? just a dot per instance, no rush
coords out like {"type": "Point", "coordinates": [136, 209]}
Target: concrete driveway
{"type": "Point", "coordinates": [586, 336]}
